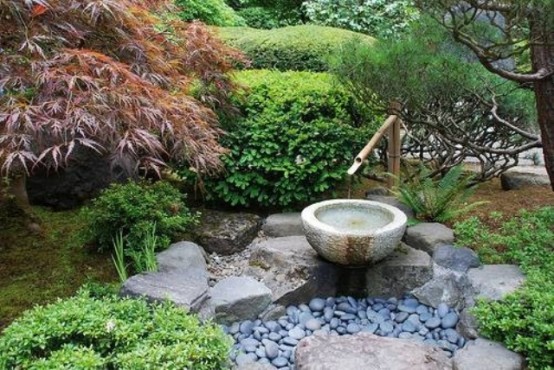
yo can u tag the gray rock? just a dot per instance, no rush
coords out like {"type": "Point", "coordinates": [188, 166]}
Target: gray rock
{"type": "Point", "coordinates": [283, 224]}
{"type": "Point", "coordinates": [449, 320]}
{"type": "Point", "coordinates": [379, 190]}
{"type": "Point", "coordinates": [484, 355]}
{"type": "Point", "coordinates": [404, 270]}
{"type": "Point", "coordinates": [226, 233]}
{"type": "Point", "coordinates": [273, 312]}
{"type": "Point", "coordinates": [516, 180]}
{"type": "Point", "coordinates": [255, 366]}
{"type": "Point", "coordinates": [247, 327]}
{"type": "Point", "coordinates": [393, 201]}
{"type": "Point", "coordinates": [353, 328]}
{"type": "Point", "coordinates": [428, 236]}
{"type": "Point", "coordinates": [271, 349]}
{"type": "Point", "coordinates": [280, 361]}
{"type": "Point", "coordinates": [313, 324]}
{"type": "Point", "coordinates": [181, 256]}
{"type": "Point", "coordinates": [467, 325]}
{"type": "Point", "coordinates": [297, 333]}
{"type": "Point", "coordinates": [433, 322]}
{"type": "Point", "coordinates": [317, 304]}
{"type": "Point", "coordinates": [239, 298]}
{"type": "Point", "coordinates": [188, 289]}
{"type": "Point", "coordinates": [494, 282]}
{"type": "Point", "coordinates": [291, 268]}
{"type": "Point", "coordinates": [454, 258]}
{"type": "Point", "coordinates": [447, 289]}
{"type": "Point", "coordinates": [368, 352]}
{"type": "Point", "coordinates": [243, 359]}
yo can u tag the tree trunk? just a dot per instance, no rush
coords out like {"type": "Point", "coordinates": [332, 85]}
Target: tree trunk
{"type": "Point", "coordinates": [18, 190]}
{"type": "Point", "coordinates": [542, 55]}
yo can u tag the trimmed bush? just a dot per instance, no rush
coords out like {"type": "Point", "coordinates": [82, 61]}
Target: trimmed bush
{"type": "Point", "coordinates": [84, 332]}
{"type": "Point", "coordinates": [132, 209]}
{"type": "Point", "coordinates": [296, 48]}
{"type": "Point", "coordinates": [294, 142]}
{"type": "Point", "coordinates": [524, 320]}
{"type": "Point", "coordinates": [212, 12]}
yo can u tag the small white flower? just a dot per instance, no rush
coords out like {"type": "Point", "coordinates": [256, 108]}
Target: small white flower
{"type": "Point", "coordinates": [110, 326]}
{"type": "Point", "coordinates": [299, 159]}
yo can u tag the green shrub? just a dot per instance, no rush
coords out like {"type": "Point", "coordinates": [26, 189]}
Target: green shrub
{"type": "Point", "coordinates": [258, 17]}
{"type": "Point", "coordinates": [84, 332]}
{"type": "Point", "coordinates": [294, 142]}
{"type": "Point", "coordinates": [437, 199]}
{"type": "Point", "coordinates": [132, 208]}
{"type": "Point", "coordinates": [212, 12]}
{"type": "Point", "coordinates": [378, 18]}
{"type": "Point", "coordinates": [524, 320]}
{"type": "Point", "coordinates": [297, 48]}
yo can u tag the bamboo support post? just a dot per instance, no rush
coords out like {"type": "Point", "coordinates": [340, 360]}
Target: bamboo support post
{"type": "Point", "coordinates": [394, 154]}
{"type": "Point", "coordinates": [371, 144]}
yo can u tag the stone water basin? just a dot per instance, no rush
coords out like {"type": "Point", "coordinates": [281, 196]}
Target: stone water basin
{"type": "Point", "coordinates": [353, 232]}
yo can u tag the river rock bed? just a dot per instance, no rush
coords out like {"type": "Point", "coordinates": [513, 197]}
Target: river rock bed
{"type": "Point", "coordinates": [274, 342]}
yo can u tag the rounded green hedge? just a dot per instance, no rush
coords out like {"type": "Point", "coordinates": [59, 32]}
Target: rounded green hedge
{"type": "Point", "coordinates": [296, 48]}
{"type": "Point", "coordinates": [298, 134]}
{"type": "Point", "coordinates": [212, 12]}
{"type": "Point", "coordinates": [83, 332]}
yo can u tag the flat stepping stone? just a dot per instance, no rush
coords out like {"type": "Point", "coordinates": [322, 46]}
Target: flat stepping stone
{"type": "Point", "coordinates": [239, 298]}
{"type": "Point", "coordinates": [283, 224]}
{"type": "Point", "coordinates": [494, 282]}
{"type": "Point", "coordinates": [187, 289]}
{"type": "Point", "coordinates": [484, 354]}
{"type": "Point", "coordinates": [427, 236]}
{"type": "Point", "coordinates": [367, 351]}
{"type": "Point", "coordinates": [226, 233]}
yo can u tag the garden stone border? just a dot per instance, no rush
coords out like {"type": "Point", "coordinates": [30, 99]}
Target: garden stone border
{"type": "Point", "coordinates": [450, 277]}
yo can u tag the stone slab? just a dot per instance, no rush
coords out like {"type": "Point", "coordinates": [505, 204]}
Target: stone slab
{"type": "Point", "coordinates": [483, 354]}
{"type": "Point", "coordinates": [368, 352]}
{"type": "Point", "coordinates": [404, 270]}
{"type": "Point", "coordinates": [226, 233]}
{"type": "Point", "coordinates": [427, 236]}
{"type": "Point", "coordinates": [494, 282]}
{"type": "Point", "coordinates": [283, 224]}
{"type": "Point", "coordinates": [239, 298]}
{"type": "Point", "coordinates": [187, 289]}
{"type": "Point", "coordinates": [293, 271]}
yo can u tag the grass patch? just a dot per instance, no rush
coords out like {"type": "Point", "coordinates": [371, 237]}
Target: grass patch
{"type": "Point", "coordinates": [36, 268]}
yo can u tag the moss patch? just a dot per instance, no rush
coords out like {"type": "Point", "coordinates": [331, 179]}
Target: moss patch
{"type": "Point", "coordinates": [36, 268]}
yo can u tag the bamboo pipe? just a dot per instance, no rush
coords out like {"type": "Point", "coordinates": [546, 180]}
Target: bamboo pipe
{"type": "Point", "coordinates": [371, 144]}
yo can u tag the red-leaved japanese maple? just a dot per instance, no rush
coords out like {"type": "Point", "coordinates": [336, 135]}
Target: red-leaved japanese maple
{"type": "Point", "coordinates": [110, 75]}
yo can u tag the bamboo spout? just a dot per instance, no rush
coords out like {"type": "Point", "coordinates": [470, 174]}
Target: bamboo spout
{"type": "Point", "coordinates": [371, 144]}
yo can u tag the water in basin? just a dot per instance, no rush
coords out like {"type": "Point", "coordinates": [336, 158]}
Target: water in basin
{"type": "Point", "coordinates": [354, 218]}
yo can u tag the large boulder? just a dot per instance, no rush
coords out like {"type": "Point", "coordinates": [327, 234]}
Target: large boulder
{"type": "Point", "coordinates": [367, 351]}
{"type": "Point", "coordinates": [293, 271]}
{"type": "Point", "coordinates": [494, 282]}
{"type": "Point", "coordinates": [404, 270]}
{"type": "Point", "coordinates": [516, 180]}
{"type": "Point", "coordinates": [447, 286]}
{"type": "Point", "coordinates": [226, 233]}
{"type": "Point", "coordinates": [239, 298]}
{"type": "Point", "coordinates": [187, 289]}
{"type": "Point", "coordinates": [283, 224]}
{"type": "Point", "coordinates": [85, 176]}
{"type": "Point", "coordinates": [483, 354]}
{"type": "Point", "coordinates": [427, 236]}
{"type": "Point", "coordinates": [181, 256]}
